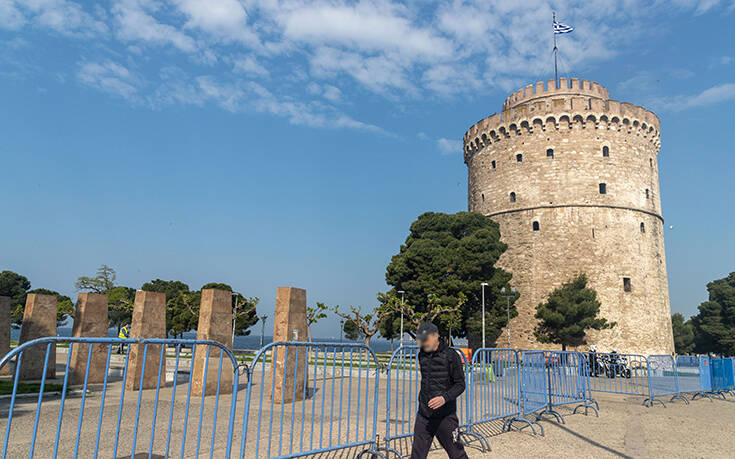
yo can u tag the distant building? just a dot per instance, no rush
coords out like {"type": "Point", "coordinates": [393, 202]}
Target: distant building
{"type": "Point", "coordinates": [572, 178]}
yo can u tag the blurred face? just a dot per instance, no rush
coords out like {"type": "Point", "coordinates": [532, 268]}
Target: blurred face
{"type": "Point", "coordinates": [431, 343]}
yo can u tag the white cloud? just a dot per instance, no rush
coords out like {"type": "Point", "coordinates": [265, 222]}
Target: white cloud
{"type": "Point", "coordinates": [110, 77]}
{"type": "Point", "coordinates": [714, 95]}
{"type": "Point", "coordinates": [62, 16]}
{"type": "Point", "coordinates": [310, 57]}
{"type": "Point", "coordinates": [135, 23]}
{"type": "Point", "coordinates": [449, 146]}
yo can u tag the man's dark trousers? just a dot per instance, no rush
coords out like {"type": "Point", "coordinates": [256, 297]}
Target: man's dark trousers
{"type": "Point", "coordinates": [445, 429]}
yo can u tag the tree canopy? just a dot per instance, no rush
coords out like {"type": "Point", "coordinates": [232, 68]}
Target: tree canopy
{"type": "Point", "coordinates": [444, 257]}
{"type": "Point", "coordinates": [568, 313]}
{"type": "Point", "coordinates": [15, 286]}
{"type": "Point", "coordinates": [714, 325]}
{"type": "Point", "coordinates": [101, 283]}
{"type": "Point", "coordinates": [683, 334]}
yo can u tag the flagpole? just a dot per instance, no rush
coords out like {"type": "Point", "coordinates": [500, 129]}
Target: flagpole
{"type": "Point", "coordinates": [556, 50]}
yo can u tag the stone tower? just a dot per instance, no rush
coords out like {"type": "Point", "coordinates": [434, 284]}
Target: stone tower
{"type": "Point", "coordinates": [572, 178]}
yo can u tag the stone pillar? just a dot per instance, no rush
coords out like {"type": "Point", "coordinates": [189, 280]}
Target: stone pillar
{"type": "Point", "coordinates": [39, 320]}
{"type": "Point", "coordinates": [4, 332]}
{"type": "Point", "coordinates": [90, 320]}
{"type": "Point", "coordinates": [290, 325]}
{"type": "Point", "coordinates": [149, 321]}
{"type": "Point", "coordinates": [215, 323]}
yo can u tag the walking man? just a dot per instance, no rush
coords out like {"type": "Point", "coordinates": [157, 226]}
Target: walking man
{"type": "Point", "coordinates": [442, 381]}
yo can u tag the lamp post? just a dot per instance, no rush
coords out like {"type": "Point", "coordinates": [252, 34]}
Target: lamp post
{"type": "Point", "coordinates": [341, 329]}
{"type": "Point", "coordinates": [483, 285]}
{"type": "Point", "coordinates": [508, 295]}
{"type": "Point", "coordinates": [262, 329]}
{"type": "Point", "coordinates": [403, 297]}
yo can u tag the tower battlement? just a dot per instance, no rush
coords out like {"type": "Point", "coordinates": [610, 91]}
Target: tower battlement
{"type": "Point", "coordinates": [567, 87]}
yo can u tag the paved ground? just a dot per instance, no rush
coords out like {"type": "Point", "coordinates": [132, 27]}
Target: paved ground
{"type": "Point", "coordinates": [625, 428]}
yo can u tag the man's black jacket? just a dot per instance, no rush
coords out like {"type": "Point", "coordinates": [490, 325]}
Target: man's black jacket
{"type": "Point", "coordinates": [442, 374]}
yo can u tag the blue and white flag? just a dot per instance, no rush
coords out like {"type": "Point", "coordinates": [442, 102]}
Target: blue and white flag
{"type": "Point", "coordinates": [562, 28]}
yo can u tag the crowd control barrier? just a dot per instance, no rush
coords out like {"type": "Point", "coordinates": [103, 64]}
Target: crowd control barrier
{"type": "Point", "coordinates": [311, 398]}
{"type": "Point", "coordinates": [662, 380]}
{"type": "Point", "coordinates": [496, 385]}
{"type": "Point", "coordinates": [403, 383]}
{"type": "Point", "coordinates": [723, 376]}
{"type": "Point", "coordinates": [98, 404]}
{"type": "Point", "coordinates": [534, 389]}
{"type": "Point", "coordinates": [617, 373]}
{"type": "Point", "coordinates": [694, 375]}
{"type": "Point", "coordinates": [568, 383]}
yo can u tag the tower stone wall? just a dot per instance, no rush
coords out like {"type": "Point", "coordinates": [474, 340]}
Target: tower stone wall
{"type": "Point", "coordinates": [571, 177]}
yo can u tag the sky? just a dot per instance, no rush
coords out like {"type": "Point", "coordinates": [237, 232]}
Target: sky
{"type": "Point", "coordinates": [271, 143]}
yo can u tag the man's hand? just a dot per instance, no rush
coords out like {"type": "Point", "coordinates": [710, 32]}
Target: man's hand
{"type": "Point", "coordinates": [436, 402]}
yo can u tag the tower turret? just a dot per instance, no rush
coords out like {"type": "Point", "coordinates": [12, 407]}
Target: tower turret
{"type": "Point", "coordinates": [572, 178]}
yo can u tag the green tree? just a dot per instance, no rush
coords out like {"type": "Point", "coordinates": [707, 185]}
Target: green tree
{"type": "Point", "coordinates": [64, 306]}
{"type": "Point", "coordinates": [352, 331]}
{"type": "Point", "coordinates": [101, 283]}
{"type": "Point", "coordinates": [446, 255]}
{"type": "Point", "coordinates": [120, 302]}
{"type": "Point", "coordinates": [313, 314]}
{"type": "Point", "coordinates": [15, 286]}
{"type": "Point", "coordinates": [683, 334]}
{"type": "Point", "coordinates": [568, 313]}
{"type": "Point", "coordinates": [367, 324]}
{"type": "Point", "coordinates": [390, 327]}
{"type": "Point", "coordinates": [714, 325]}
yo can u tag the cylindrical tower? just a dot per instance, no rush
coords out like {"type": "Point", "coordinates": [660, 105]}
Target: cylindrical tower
{"type": "Point", "coordinates": [572, 178]}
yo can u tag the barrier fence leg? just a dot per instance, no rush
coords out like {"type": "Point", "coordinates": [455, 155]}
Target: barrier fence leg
{"type": "Point", "coordinates": [549, 408]}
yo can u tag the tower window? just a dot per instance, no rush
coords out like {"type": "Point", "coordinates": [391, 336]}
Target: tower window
{"type": "Point", "coordinates": [626, 284]}
{"type": "Point", "coordinates": [483, 197]}
{"type": "Point", "coordinates": [536, 226]}
{"type": "Point", "coordinates": [493, 164]}
{"type": "Point", "coordinates": [647, 193]}
{"type": "Point", "coordinates": [603, 188]}
{"type": "Point", "coordinates": [519, 158]}
{"type": "Point", "coordinates": [550, 153]}
{"type": "Point", "coordinates": [643, 227]}
{"type": "Point", "coordinates": [512, 196]}
{"type": "Point", "coordinates": [606, 151]}
{"type": "Point", "coordinates": [650, 161]}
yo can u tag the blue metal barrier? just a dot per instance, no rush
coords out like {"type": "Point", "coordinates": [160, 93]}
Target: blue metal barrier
{"type": "Point", "coordinates": [617, 373]}
{"type": "Point", "coordinates": [95, 418]}
{"type": "Point", "coordinates": [311, 398]}
{"type": "Point", "coordinates": [533, 389]}
{"type": "Point", "coordinates": [693, 373]}
{"type": "Point", "coordinates": [568, 382]}
{"type": "Point", "coordinates": [722, 376]}
{"type": "Point", "coordinates": [496, 385]}
{"type": "Point", "coordinates": [662, 380]}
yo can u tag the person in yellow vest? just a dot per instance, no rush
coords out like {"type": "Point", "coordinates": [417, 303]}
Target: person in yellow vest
{"type": "Point", "coordinates": [123, 333]}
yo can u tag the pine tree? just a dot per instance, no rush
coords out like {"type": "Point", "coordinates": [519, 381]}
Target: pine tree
{"type": "Point", "coordinates": [568, 313]}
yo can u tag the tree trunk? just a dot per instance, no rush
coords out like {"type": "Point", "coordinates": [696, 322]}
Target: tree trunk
{"type": "Point", "coordinates": [563, 347]}
{"type": "Point", "coordinates": [367, 340]}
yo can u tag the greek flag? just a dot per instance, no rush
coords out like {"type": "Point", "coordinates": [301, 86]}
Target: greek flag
{"type": "Point", "coordinates": [562, 28]}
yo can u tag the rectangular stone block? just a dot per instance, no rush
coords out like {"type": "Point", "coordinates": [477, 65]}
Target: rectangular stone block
{"type": "Point", "coordinates": [90, 320]}
{"type": "Point", "coordinates": [39, 320]}
{"type": "Point", "coordinates": [4, 331]}
{"type": "Point", "coordinates": [149, 321]}
{"type": "Point", "coordinates": [215, 323]}
{"type": "Point", "coordinates": [290, 325]}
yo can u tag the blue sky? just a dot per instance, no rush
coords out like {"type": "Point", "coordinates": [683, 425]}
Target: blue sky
{"type": "Point", "coordinates": [292, 142]}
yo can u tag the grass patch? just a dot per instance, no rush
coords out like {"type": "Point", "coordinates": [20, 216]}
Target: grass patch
{"type": "Point", "coordinates": [6, 388]}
